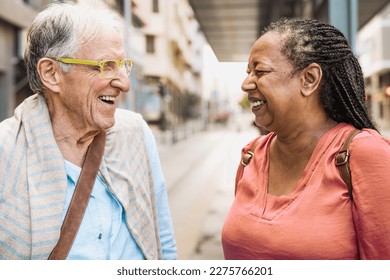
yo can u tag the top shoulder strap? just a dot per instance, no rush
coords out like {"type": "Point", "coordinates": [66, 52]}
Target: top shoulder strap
{"type": "Point", "coordinates": [342, 161]}
{"type": "Point", "coordinates": [246, 158]}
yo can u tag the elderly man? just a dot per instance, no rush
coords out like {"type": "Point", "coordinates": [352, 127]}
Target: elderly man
{"type": "Point", "coordinates": [77, 67]}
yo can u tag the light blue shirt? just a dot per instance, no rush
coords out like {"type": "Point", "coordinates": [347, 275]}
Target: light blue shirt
{"type": "Point", "coordinates": [103, 233]}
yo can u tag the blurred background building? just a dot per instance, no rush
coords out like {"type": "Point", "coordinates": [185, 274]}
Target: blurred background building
{"type": "Point", "coordinates": [167, 41]}
{"type": "Point", "coordinates": [373, 48]}
{"type": "Point", "coordinates": [162, 37]}
{"type": "Point", "coordinates": [15, 17]}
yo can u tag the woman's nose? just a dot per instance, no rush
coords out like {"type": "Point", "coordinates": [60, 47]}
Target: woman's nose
{"type": "Point", "coordinates": [248, 83]}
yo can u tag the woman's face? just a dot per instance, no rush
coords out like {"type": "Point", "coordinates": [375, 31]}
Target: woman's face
{"type": "Point", "coordinates": [272, 87]}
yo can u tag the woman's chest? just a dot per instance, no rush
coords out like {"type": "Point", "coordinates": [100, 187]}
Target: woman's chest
{"type": "Point", "coordinates": [302, 227]}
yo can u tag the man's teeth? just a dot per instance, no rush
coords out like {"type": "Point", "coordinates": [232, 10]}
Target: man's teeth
{"type": "Point", "coordinates": [107, 98]}
{"type": "Point", "coordinates": [257, 103]}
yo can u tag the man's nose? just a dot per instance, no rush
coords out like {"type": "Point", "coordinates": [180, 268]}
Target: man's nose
{"type": "Point", "coordinates": [121, 80]}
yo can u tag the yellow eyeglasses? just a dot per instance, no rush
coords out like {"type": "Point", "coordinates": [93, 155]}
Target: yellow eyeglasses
{"type": "Point", "coordinates": [108, 68]}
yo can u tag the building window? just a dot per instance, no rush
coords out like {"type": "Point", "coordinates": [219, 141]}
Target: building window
{"type": "Point", "coordinates": [155, 7]}
{"type": "Point", "coordinates": [384, 80]}
{"type": "Point", "coordinates": [369, 104]}
{"type": "Point", "coordinates": [381, 110]}
{"type": "Point", "coordinates": [150, 44]}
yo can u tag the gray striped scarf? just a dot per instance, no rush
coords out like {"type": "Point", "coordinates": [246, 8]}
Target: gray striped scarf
{"type": "Point", "coordinates": [33, 182]}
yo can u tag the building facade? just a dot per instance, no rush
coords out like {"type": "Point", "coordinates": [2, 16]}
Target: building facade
{"type": "Point", "coordinates": [172, 63]}
{"type": "Point", "coordinates": [162, 37]}
{"type": "Point", "coordinates": [15, 17]}
{"type": "Point", "coordinates": [373, 51]}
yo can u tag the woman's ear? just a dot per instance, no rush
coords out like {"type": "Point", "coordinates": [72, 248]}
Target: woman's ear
{"type": "Point", "coordinates": [311, 79]}
{"type": "Point", "coordinates": [48, 72]}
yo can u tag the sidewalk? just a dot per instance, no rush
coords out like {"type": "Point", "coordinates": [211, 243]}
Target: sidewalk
{"type": "Point", "coordinates": [199, 171]}
{"type": "Point", "coordinates": [176, 134]}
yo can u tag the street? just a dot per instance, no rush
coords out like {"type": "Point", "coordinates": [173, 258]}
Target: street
{"type": "Point", "coordinates": [200, 172]}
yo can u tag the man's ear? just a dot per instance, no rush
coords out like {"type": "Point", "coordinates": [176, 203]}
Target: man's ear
{"type": "Point", "coordinates": [311, 79]}
{"type": "Point", "coordinates": [48, 72]}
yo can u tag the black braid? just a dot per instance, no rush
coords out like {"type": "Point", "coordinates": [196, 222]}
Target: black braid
{"type": "Point", "coordinates": [342, 93]}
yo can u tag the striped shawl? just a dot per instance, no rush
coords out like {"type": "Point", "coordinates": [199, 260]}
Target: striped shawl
{"type": "Point", "coordinates": [33, 182]}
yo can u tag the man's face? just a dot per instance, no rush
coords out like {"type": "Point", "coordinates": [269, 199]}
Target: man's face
{"type": "Point", "coordinates": [87, 99]}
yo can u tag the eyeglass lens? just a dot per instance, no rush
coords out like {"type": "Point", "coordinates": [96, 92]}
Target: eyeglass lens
{"type": "Point", "coordinates": [110, 67]}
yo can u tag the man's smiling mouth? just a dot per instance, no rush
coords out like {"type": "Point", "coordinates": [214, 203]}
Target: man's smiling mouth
{"type": "Point", "coordinates": [108, 99]}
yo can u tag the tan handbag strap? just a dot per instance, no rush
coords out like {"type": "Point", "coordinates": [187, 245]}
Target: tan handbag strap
{"type": "Point", "coordinates": [247, 157]}
{"type": "Point", "coordinates": [80, 198]}
{"type": "Point", "coordinates": [342, 161]}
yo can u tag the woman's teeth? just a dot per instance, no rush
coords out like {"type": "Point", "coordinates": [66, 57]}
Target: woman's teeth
{"type": "Point", "coordinates": [257, 103]}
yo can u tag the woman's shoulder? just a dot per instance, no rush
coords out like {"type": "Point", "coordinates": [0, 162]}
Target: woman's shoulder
{"type": "Point", "coordinates": [259, 142]}
{"type": "Point", "coordinates": [369, 146]}
{"type": "Point", "coordinates": [370, 138]}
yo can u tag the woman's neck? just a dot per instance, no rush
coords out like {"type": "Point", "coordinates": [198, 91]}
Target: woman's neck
{"type": "Point", "coordinates": [303, 140]}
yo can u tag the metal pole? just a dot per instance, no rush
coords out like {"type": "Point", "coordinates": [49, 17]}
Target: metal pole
{"type": "Point", "coordinates": [343, 14]}
{"type": "Point", "coordinates": [127, 16]}
{"type": "Point", "coordinates": [128, 22]}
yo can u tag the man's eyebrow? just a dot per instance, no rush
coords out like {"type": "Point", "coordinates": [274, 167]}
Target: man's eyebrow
{"type": "Point", "coordinates": [253, 63]}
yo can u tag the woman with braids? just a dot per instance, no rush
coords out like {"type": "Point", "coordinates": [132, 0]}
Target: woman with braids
{"type": "Point", "coordinates": [306, 87]}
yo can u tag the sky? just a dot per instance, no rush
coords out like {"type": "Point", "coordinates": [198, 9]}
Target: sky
{"type": "Point", "coordinates": [226, 77]}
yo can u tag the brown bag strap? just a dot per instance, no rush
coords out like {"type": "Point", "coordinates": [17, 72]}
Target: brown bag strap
{"type": "Point", "coordinates": [342, 161]}
{"type": "Point", "coordinates": [80, 198]}
{"type": "Point", "coordinates": [245, 160]}
{"type": "Point", "coordinates": [247, 157]}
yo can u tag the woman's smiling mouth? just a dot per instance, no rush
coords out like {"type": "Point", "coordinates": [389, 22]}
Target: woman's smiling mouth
{"type": "Point", "coordinates": [257, 104]}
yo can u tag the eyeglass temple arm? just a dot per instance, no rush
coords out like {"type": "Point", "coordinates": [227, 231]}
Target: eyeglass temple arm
{"type": "Point", "coordinates": [79, 61]}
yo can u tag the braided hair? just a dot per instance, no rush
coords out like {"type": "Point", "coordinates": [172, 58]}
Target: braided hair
{"type": "Point", "coordinates": [342, 93]}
